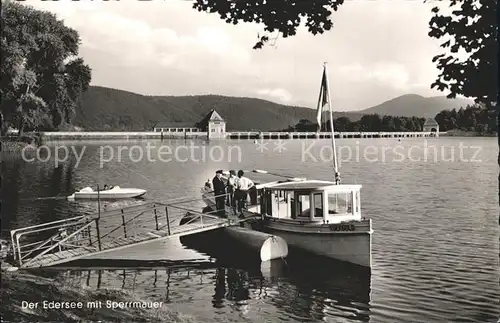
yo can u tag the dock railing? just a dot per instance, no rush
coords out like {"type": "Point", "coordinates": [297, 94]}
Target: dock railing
{"type": "Point", "coordinates": [118, 228]}
{"type": "Point", "coordinates": [23, 239]}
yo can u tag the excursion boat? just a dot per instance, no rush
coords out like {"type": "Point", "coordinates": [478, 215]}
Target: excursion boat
{"type": "Point", "coordinates": [321, 217]}
{"type": "Point", "coordinates": [317, 216]}
{"type": "Point", "coordinates": [113, 193]}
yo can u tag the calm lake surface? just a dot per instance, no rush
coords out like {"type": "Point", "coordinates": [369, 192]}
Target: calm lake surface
{"type": "Point", "coordinates": [433, 203]}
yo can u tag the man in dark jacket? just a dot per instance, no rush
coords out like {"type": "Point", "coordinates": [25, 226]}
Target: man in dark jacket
{"type": "Point", "coordinates": [219, 191]}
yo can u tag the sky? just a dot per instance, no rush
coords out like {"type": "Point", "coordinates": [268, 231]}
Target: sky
{"type": "Point", "coordinates": [377, 50]}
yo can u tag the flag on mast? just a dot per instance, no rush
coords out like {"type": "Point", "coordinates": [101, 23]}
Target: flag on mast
{"type": "Point", "coordinates": [323, 98]}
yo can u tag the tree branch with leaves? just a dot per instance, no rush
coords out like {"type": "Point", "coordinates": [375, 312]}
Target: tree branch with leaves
{"type": "Point", "coordinates": [42, 77]}
{"type": "Point", "coordinates": [278, 16]}
{"type": "Point", "coordinates": [469, 64]}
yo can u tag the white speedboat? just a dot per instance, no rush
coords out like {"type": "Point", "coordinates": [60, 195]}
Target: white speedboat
{"type": "Point", "coordinates": [114, 193]}
{"type": "Point", "coordinates": [317, 216]}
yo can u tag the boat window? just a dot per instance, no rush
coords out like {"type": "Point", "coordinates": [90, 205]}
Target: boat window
{"type": "Point", "coordinates": [253, 194]}
{"type": "Point", "coordinates": [281, 196]}
{"type": "Point", "coordinates": [356, 205]}
{"type": "Point", "coordinates": [266, 202]}
{"type": "Point", "coordinates": [318, 205]}
{"type": "Point", "coordinates": [303, 205]}
{"type": "Point", "coordinates": [340, 203]}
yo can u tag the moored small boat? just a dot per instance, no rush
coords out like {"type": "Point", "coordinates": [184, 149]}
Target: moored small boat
{"type": "Point", "coordinates": [114, 193]}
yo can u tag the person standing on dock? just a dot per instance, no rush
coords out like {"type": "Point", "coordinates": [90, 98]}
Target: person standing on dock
{"type": "Point", "coordinates": [231, 188]}
{"type": "Point", "coordinates": [242, 186]}
{"type": "Point", "coordinates": [220, 193]}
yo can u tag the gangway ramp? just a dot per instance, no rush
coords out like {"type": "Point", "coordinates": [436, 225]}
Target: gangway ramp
{"type": "Point", "coordinates": [84, 237]}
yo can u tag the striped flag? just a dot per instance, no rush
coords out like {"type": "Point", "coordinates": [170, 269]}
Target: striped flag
{"type": "Point", "coordinates": [323, 98]}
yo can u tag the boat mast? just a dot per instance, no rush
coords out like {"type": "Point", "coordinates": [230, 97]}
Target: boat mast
{"type": "Point", "coordinates": [335, 165]}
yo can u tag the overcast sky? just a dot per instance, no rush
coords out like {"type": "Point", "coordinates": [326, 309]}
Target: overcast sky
{"type": "Point", "coordinates": [376, 51]}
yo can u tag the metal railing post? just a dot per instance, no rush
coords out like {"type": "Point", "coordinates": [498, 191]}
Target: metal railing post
{"type": "Point", "coordinates": [19, 250]}
{"type": "Point", "coordinates": [124, 224]}
{"type": "Point", "coordinates": [156, 217]}
{"type": "Point", "coordinates": [98, 202]}
{"type": "Point", "coordinates": [90, 236]}
{"type": "Point", "coordinates": [168, 221]}
{"type": "Point", "coordinates": [14, 247]}
{"type": "Point", "coordinates": [98, 233]}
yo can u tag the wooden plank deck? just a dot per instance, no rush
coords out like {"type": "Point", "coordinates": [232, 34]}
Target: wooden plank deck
{"type": "Point", "coordinates": [133, 240]}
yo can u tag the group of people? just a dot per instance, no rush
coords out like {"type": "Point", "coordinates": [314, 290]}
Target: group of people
{"type": "Point", "coordinates": [233, 192]}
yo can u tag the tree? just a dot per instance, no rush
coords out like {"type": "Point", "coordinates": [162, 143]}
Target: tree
{"type": "Point", "coordinates": [306, 125]}
{"type": "Point", "coordinates": [445, 120]}
{"type": "Point", "coordinates": [41, 76]}
{"type": "Point", "coordinates": [388, 123]}
{"type": "Point", "coordinates": [419, 123]}
{"type": "Point", "coordinates": [30, 108]}
{"type": "Point", "coordinates": [472, 118]}
{"type": "Point", "coordinates": [371, 122]}
{"type": "Point", "coordinates": [341, 124]}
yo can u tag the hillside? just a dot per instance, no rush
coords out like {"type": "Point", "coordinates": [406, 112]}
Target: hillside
{"type": "Point", "coordinates": [415, 105]}
{"type": "Point", "coordinates": [109, 109]}
{"type": "Point", "coordinates": [103, 108]}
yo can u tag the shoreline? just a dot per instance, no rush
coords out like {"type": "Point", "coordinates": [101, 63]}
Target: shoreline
{"type": "Point", "coordinates": [232, 135]}
{"type": "Point", "coordinates": [462, 133]}
{"type": "Point", "coordinates": [13, 145]}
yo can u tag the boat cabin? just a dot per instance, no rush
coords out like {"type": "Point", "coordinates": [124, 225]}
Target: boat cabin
{"type": "Point", "coordinates": [311, 201]}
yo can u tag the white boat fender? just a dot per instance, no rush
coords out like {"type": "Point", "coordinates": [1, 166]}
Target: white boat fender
{"type": "Point", "coordinates": [273, 248]}
{"type": "Point", "coordinates": [268, 246]}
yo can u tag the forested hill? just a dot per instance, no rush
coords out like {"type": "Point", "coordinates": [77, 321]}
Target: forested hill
{"type": "Point", "coordinates": [414, 105]}
{"type": "Point", "coordinates": [109, 109]}
{"type": "Point", "coordinates": [103, 108]}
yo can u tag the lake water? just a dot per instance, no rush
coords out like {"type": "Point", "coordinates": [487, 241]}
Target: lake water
{"type": "Point", "coordinates": [433, 202]}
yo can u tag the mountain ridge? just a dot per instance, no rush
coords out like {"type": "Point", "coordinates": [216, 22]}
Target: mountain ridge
{"type": "Point", "coordinates": [409, 105]}
{"type": "Point", "coordinates": [102, 108]}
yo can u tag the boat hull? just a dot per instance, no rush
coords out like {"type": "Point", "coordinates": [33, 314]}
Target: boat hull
{"type": "Point", "coordinates": [350, 242]}
{"type": "Point", "coordinates": [109, 195]}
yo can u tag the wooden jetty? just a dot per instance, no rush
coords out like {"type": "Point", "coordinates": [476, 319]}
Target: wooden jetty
{"type": "Point", "coordinates": [85, 237]}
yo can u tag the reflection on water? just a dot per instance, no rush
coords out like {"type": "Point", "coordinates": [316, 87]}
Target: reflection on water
{"type": "Point", "coordinates": [300, 289]}
{"type": "Point", "coordinates": [435, 245]}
